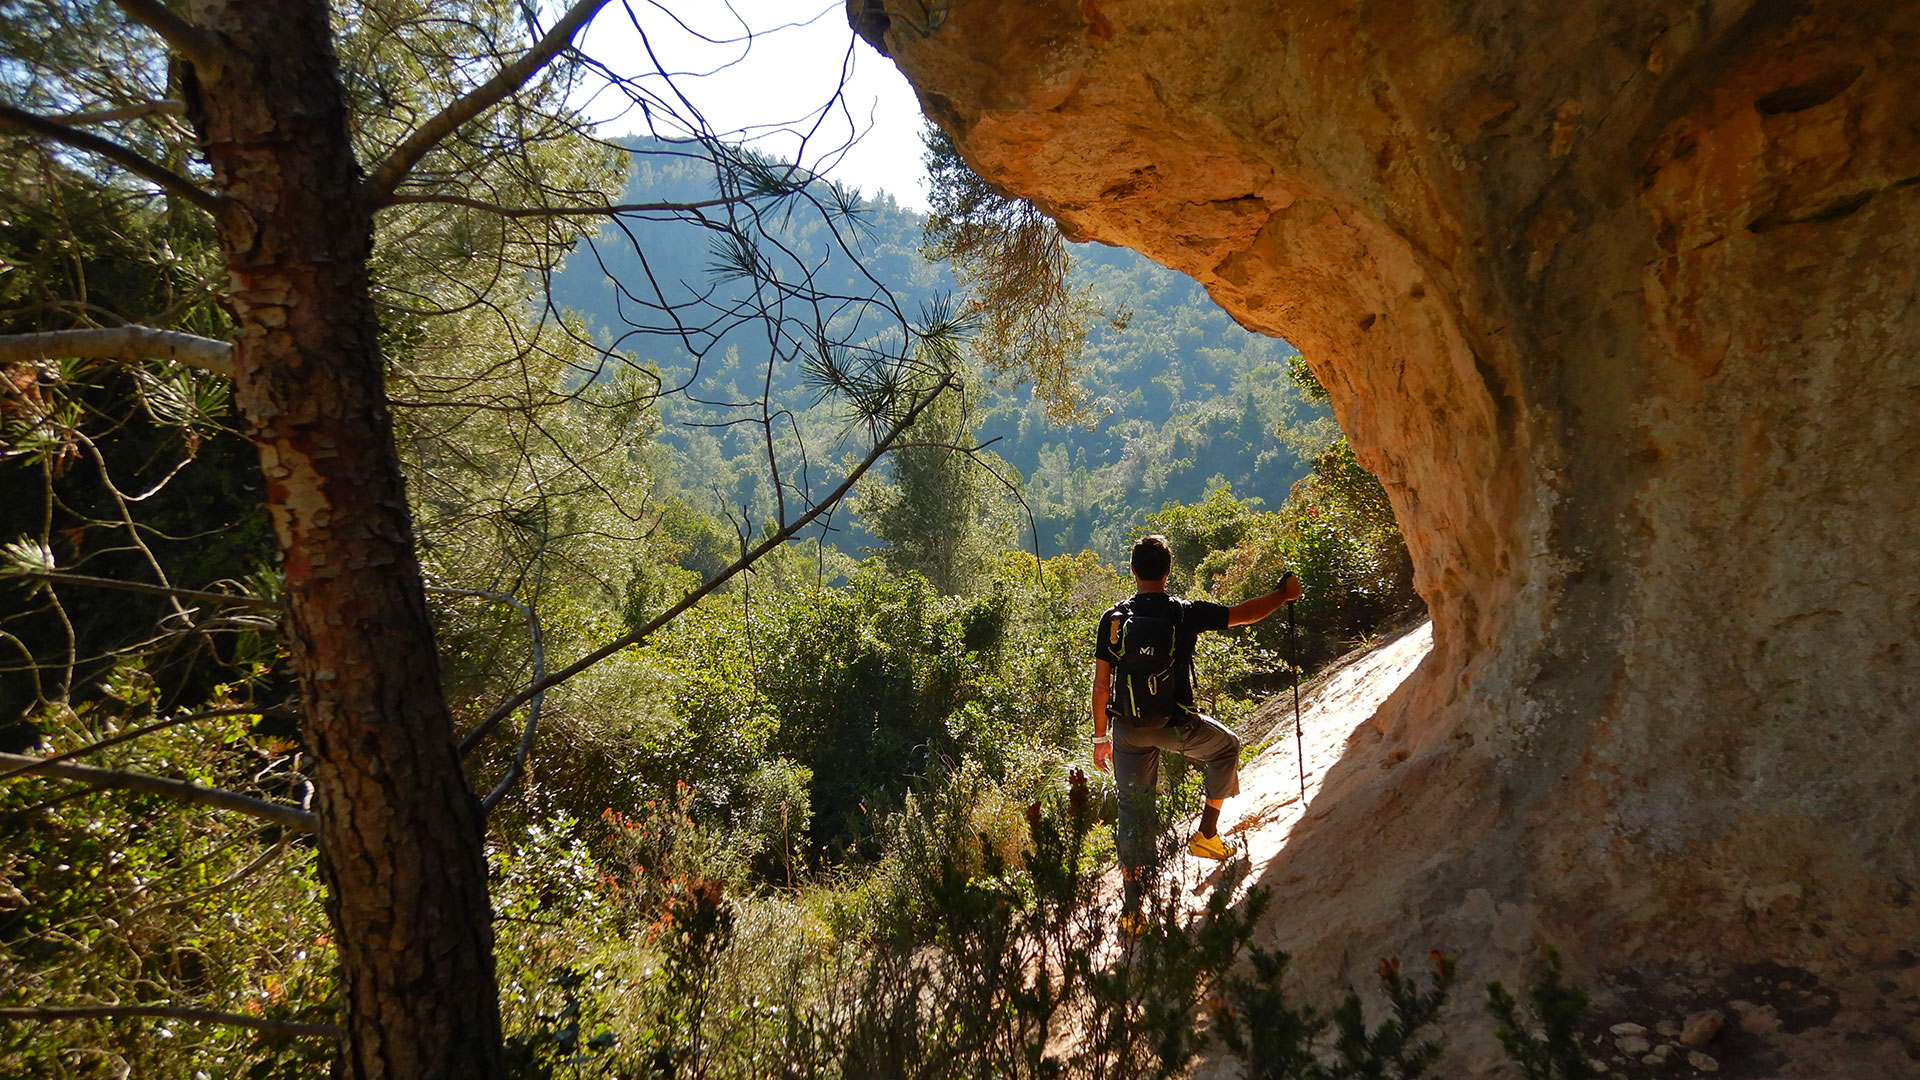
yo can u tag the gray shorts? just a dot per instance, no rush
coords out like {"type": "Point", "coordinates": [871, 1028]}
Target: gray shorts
{"type": "Point", "coordinates": [1136, 773]}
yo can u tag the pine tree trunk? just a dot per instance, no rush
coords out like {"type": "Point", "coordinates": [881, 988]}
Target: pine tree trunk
{"type": "Point", "coordinates": [400, 832]}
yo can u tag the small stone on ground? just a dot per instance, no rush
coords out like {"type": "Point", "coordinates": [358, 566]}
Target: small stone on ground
{"type": "Point", "coordinates": [1701, 1028]}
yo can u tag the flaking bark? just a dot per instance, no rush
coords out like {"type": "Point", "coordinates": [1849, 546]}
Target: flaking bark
{"type": "Point", "coordinates": [399, 831]}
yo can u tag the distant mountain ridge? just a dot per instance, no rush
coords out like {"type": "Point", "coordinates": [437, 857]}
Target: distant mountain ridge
{"type": "Point", "coordinates": [1182, 398]}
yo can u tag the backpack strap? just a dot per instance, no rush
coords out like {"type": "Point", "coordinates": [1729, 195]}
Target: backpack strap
{"type": "Point", "coordinates": [1180, 624]}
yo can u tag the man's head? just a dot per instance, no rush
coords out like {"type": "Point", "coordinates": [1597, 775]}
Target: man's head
{"type": "Point", "coordinates": [1152, 558]}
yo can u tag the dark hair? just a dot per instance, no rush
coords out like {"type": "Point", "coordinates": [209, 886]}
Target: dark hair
{"type": "Point", "coordinates": [1152, 558]}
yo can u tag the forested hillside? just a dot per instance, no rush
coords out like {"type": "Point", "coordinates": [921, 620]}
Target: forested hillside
{"type": "Point", "coordinates": [1178, 400]}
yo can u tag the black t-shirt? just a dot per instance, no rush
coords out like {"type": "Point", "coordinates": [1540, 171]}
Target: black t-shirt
{"type": "Point", "coordinates": [1197, 617]}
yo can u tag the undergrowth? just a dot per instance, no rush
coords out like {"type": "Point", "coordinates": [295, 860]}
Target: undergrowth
{"type": "Point", "coordinates": [964, 955]}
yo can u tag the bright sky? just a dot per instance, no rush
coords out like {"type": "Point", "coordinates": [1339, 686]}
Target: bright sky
{"type": "Point", "coordinates": [765, 71]}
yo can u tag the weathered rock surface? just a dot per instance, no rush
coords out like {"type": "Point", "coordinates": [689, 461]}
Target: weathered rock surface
{"type": "Point", "coordinates": [1619, 300]}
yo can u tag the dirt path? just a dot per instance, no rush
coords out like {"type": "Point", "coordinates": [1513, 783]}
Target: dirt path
{"type": "Point", "coordinates": [1331, 707]}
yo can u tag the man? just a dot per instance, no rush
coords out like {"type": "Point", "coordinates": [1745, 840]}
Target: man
{"type": "Point", "coordinates": [1151, 707]}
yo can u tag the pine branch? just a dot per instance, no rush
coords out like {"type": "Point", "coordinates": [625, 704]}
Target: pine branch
{"type": "Point", "coordinates": [381, 184]}
{"type": "Point", "coordinates": [282, 814]}
{"type": "Point", "coordinates": [123, 112]}
{"type": "Point", "coordinates": [202, 48]}
{"type": "Point", "coordinates": [159, 175]}
{"type": "Point", "coordinates": [172, 1012]}
{"type": "Point", "coordinates": [121, 343]}
{"type": "Point", "coordinates": [536, 641]}
{"type": "Point", "coordinates": [129, 736]}
{"type": "Point", "coordinates": [746, 560]}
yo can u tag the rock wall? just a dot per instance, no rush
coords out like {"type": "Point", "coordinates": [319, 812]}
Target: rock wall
{"type": "Point", "coordinates": [1619, 300]}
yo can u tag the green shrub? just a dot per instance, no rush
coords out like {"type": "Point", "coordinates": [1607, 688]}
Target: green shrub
{"type": "Point", "coordinates": [127, 898]}
{"type": "Point", "coordinates": [1552, 1052]}
{"type": "Point", "coordinates": [1338, 533]}
{"type": "Point", "coordinates": [1278, 1041]}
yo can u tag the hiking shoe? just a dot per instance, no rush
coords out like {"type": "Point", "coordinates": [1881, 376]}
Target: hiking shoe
{"type": "Point", "coordinates": [1133, 926]}
{"type": "Point", "coordinates": [1209, 847]}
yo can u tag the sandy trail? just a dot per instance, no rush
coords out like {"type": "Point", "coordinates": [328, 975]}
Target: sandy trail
{"type": "Point", "coordinates": [1260, 819]}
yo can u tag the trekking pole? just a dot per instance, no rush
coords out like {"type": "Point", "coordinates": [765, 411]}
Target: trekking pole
{"type": "Point", "coordinates": [1299, 741]}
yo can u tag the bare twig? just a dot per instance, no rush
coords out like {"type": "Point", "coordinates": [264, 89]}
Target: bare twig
{"type": "Point", "coordinates": [159, 175]}
{"type": "Point", "coordinates": [121, 343]}
{"type": "Point", "coordinates": [610, 210]}
{"type": "Point", "coordinates": [281, 814]}
{"type": "Point", "coordinates": [172, 1012]}
{"type": "Point", "coordinates": [228, 882]}
{"type": "Point", "coordinates": [120, 501]}
{"type": "Point", "coordinates": [384, 180]}
{"type": "Point", "coordinates": [62, 578]}
{"type": "Point", "coordinates": [745, 561]}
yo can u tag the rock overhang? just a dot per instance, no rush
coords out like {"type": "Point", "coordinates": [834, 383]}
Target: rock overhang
{"type": "Point", "coordinates": [1620, 302]}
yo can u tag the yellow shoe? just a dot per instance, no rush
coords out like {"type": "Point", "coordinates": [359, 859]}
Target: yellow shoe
{"type": "Point", "coordinates": [1209, 847]}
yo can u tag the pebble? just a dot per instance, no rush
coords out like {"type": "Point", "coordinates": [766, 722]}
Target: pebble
{"type": "Point", "coordinates": [1633, 1045]}
{"type": "Point", "coordinates": [1667, 1028]}
{"type": "Point", "coordinates": [1627, 1029]}
{"type": "Point", "coordinates": [1702, 1062]}
{"type": "Point", "coordinates": [1761, 1021]}
{"type": "Point", "coordinates": [1701, 1028]}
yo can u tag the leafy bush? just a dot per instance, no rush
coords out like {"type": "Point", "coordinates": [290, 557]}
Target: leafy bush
{"type": "Point", "coordinates": [1336, 531]}
{"type": "Point", "coordinates": [981, 964]}
{"type": "Point", "coordinates": [1201, 533]}
{"type": "Point", "coordinates": [800, 717]}
{"type": "Point", "coordinates": [113, 898]}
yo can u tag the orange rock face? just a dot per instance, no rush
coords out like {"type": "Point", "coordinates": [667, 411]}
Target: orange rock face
{"type": "Point", "coordinates": [1622, 303]}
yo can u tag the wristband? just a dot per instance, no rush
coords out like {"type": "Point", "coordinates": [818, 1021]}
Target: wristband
{"type": "Point", "coordinates": [1099, 739]}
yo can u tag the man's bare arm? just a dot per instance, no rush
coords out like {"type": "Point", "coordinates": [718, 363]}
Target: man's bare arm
{"type": "Point", "coordinates": [1252, 611]}
{"type": "Point", "coordinates": [1102, 676]}
{"type": "Point", "coordinates": [1102, 747]}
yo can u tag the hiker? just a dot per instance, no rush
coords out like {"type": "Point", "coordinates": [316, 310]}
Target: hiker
{"type": "Point", "coordinates": [1143, 704]}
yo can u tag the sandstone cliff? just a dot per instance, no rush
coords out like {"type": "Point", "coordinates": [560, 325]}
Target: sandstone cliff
{"type": "Point", "coordinates": [1619, 300]}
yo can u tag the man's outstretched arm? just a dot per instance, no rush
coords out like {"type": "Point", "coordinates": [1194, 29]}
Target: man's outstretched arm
{"type": "Point", "coordinates": [1252, 611]}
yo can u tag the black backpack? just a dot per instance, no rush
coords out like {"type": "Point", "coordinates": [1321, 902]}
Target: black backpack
{"type": "Point", "coordinates": [1146, 675]}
